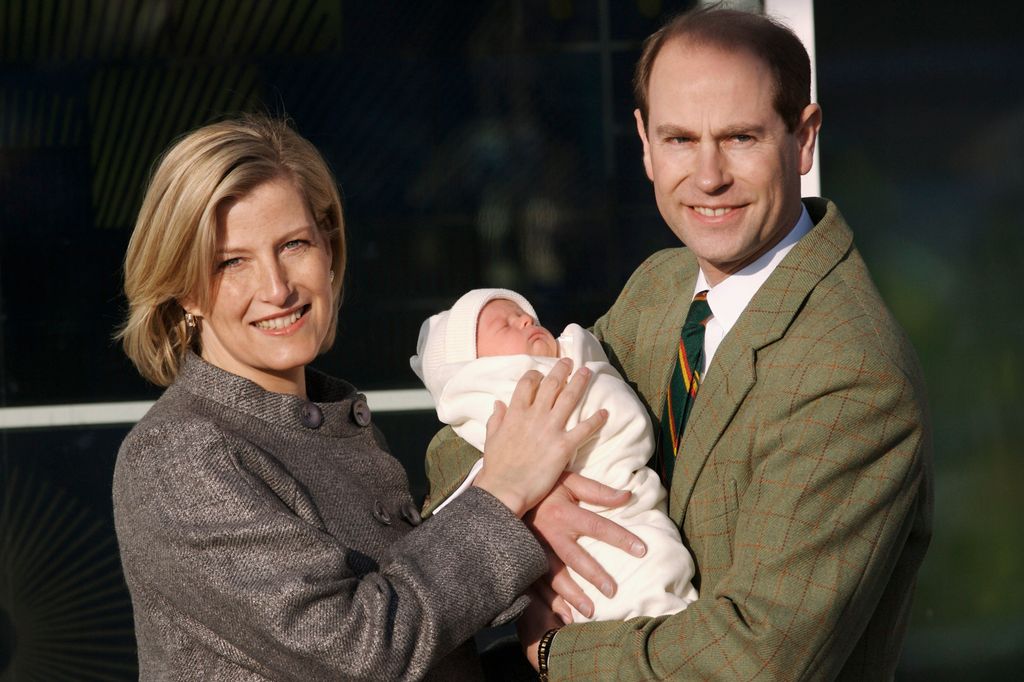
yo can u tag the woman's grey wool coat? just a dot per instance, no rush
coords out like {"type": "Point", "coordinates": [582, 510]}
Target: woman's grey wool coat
{"type": "Point", "coordinates": [264, 536]}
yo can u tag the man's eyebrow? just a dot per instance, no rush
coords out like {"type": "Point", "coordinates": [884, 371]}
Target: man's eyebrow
{"type": "Point", "coordinates": [671, 130]}
{"type": "Point", "coordinates": [741, 129]}
{"type": "Point", "coordinates": [667, 130]}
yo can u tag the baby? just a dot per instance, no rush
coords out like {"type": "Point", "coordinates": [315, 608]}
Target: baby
{"type": "Point", "coordinates": [474, 354]}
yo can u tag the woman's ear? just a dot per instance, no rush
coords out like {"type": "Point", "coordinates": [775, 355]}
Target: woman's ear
{"type": "Point", "coordinates": [190, 307]}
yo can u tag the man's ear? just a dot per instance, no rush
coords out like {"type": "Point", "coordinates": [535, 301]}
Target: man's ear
{"type": "Point", "coordinates": [807, 135]}
{"type": "Point", "coordinates": [641, 130]}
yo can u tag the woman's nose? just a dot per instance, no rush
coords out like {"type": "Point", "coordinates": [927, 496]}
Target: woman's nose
{"type": "Point", "coordinates": [274, 283]}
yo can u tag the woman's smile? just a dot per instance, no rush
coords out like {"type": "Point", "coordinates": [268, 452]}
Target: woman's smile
{"type": "Point", "coordinates": [284, 324]}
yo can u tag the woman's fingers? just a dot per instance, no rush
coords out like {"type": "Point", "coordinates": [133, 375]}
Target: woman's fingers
{"type": "Point", "coordinates": [586, 429]}
{"type": "Point", "coordinates": [555, 393]}
{"type": "Point", "coordinates": [527, 444]}
{"type": "Point", "coordinates": [525, 391]}
{"type": "Point", "coordinates": [497, 416]}
{"type": "Point", "coordinates": [553, 385]}
{"type": "Point", "coordinates": [571, 394]}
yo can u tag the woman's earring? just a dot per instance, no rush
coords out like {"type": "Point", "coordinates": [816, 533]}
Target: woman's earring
{"type": "Point", "coordinates": [190, 320]}
{"type": "Point", "coordinates": [332, 276]}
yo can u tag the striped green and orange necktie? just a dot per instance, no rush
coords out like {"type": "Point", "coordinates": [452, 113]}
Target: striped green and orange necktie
{"type": "Point", "coordinates": [682, 388]}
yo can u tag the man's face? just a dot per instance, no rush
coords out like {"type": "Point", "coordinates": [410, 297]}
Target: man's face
{"type": "Point", "coordinates": [726, 172]}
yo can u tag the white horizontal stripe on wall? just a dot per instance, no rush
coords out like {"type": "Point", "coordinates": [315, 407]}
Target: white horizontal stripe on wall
{"type": "Point", "coordinates": [98, 414]}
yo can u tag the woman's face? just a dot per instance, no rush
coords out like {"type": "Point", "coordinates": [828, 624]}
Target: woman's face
{"type": "Point", "coordinates": [271, 303]}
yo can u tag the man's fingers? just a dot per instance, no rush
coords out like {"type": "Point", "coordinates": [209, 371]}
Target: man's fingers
{"type": "Point", "coordinates": [576, 558]}
{"type": "Point", "coordinates": [563, 610]}
{"type": "Point", "coordinates": [598, 527]}
{"type": "Point", "coordinates": [593, 492]}
{"type": "Point", "coordinates": [542, 590]}
{"type": "Point", "coordinates": [569, 592]}
{"type": "Point", "coordinates": [607, 531]}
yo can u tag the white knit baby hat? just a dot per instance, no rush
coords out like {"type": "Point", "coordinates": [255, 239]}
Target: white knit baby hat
{"type": "Point", "coordinates": [448, 340]}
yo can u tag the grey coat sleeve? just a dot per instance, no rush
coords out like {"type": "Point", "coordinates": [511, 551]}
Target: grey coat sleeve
{"type": "Point", "coordinates": [225, 560]}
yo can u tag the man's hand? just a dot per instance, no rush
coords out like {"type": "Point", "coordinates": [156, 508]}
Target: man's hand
{"type": "Point", "coordinates": [558, 521]}
{"type": "Point", "coordinates": [531, 626]}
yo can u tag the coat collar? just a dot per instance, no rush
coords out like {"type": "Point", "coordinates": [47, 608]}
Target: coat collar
{"type": "Point", "coordinates": [334, 398]}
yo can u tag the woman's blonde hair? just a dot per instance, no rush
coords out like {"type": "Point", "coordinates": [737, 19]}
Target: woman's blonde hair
{"type": "Point", "coordinates": [171, 254]}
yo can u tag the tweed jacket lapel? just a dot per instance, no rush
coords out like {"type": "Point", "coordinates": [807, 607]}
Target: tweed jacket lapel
{"type": "Point", "coordinates": [734, 369]}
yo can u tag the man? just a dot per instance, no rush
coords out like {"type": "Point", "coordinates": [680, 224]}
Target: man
{"type": "Point", "coordinates": [801, 480]}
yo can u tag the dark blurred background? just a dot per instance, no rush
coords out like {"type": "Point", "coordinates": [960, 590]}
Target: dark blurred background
{"type": "Point", "coordinates": [488, 143]}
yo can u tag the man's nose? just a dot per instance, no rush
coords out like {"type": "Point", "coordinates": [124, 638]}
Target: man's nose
{"type": "Point", "coordinates": [712, 174]}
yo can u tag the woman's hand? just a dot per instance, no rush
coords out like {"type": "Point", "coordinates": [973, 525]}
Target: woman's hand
{"type": "Point", "coordinates": [527, 445]}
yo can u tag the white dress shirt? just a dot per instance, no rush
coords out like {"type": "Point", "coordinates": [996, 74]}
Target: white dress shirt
{"type": "Point", "coordinates": [730, 297]}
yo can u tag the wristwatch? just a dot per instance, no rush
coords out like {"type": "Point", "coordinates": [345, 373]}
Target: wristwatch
{"type": "Point", "coordinates": [543, 649]}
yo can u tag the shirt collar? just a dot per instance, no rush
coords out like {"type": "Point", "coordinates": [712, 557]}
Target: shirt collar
{"type": "Point", "coordinates": [730, 297]}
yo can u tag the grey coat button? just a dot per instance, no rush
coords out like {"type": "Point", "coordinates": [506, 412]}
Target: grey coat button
{"type": "Point", "coordinates": [311, 416]}
{"type": "Point", "coordinates": [381, 514]}
{"type": "Point", "coordinates": [361, 412]}
{"type": "Point", "coordinates": [411, 514]}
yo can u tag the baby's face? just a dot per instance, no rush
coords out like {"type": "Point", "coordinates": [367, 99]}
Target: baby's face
{"type": "Point", "coordinates": [503, 328]}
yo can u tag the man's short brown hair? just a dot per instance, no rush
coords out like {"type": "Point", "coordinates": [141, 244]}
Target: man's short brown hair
{"type": "Point", "coordinates": [735, 30]}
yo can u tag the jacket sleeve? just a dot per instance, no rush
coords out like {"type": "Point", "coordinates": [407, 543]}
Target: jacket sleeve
{"type": "Point", "coordinates": [222, 557]}
{"type": "Point", "coordinates": [817, 534]}
{"type": "Point", "coordinates": [448, 461]}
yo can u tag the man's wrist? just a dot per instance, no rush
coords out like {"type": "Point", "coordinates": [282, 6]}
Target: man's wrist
{"type": "Point", "coordinates": [543, 651]}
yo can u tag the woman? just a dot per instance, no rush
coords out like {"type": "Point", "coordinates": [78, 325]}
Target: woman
{"type": "Point", "coordinates": [264, 529]}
